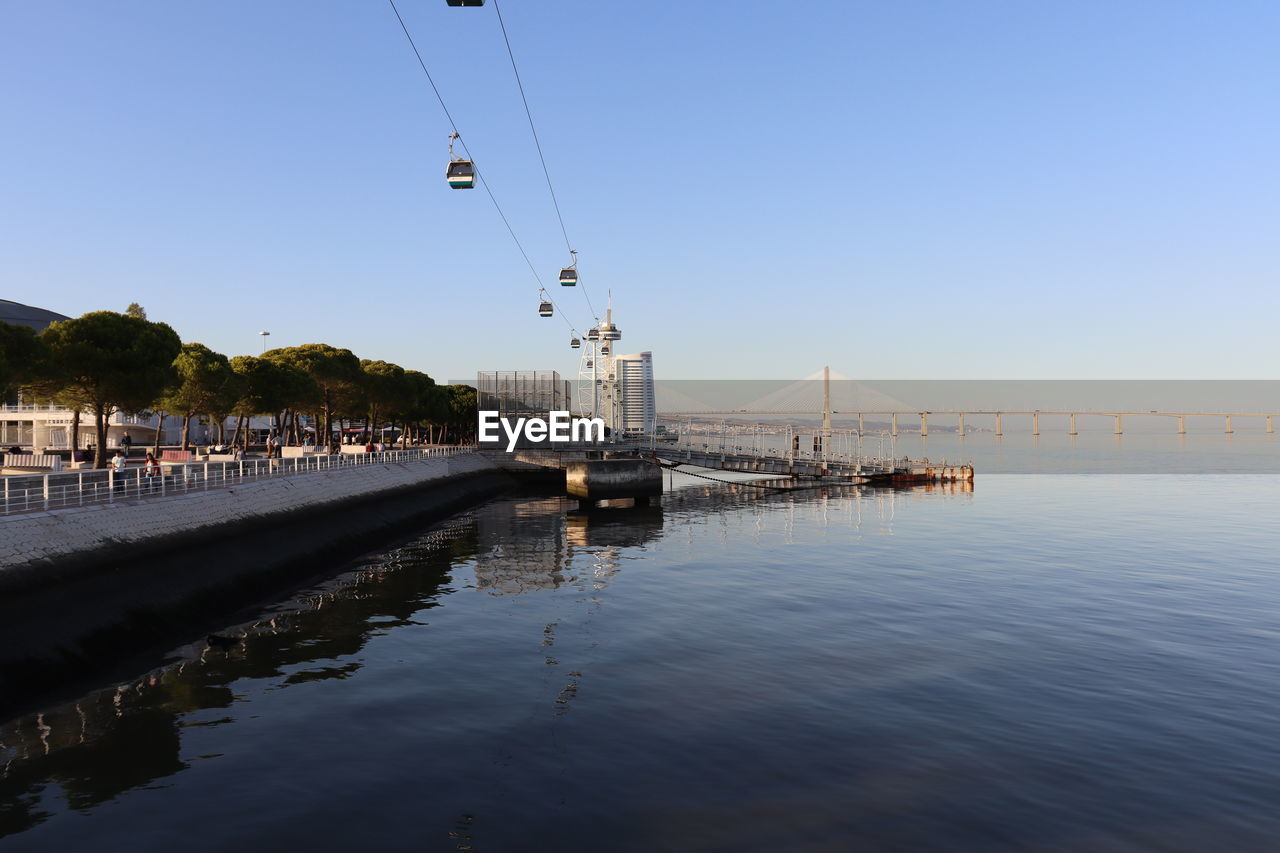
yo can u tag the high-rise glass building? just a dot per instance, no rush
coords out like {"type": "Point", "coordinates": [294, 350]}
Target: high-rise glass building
{"type": "Point", "coordinates": [637, 412]}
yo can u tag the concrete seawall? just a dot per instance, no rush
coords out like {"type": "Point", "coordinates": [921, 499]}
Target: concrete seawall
{"type": "Point", "coordinates": [44, 547]}
{"type": "Point", "coordinates": [88, 591]}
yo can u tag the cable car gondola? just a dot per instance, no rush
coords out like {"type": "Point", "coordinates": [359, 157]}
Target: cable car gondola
{"type": "Point", "coordinates": [574, 343]}
{"type": "Point", "coordinates": [544, 309]}
{"type": "Point", "coordinates": [593, 334]}
{"type": "Point", "coordinates": [604, 350]}
{"type": "Point", "coordinates": [465, 2]}
{"type": "Point", "coordinates": [569, 275]}
{"type": "Point", "coordinates": [460, 173]}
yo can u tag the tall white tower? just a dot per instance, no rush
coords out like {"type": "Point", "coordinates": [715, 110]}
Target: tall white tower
{"type": "Point", "coordinates": [598, 392]}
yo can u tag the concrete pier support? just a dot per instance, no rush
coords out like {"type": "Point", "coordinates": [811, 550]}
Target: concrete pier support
{"type": "Point", "coordinates": [960, 428]}
{"type": "Point", "coordinates": [893, 431]}
{"type": "Point", "coordinates": [1071, 424]}
{"type": "Point", "coordinates": [1119, 425]}
{"type": "Point", "coordinates": [999, 424]}
{"type": "Point", "coordinates": [603, 479]}
{"type": "Point", "coordinates": [1227, 429]}
{"type": "Point", "coordinates": [924, 424]}
{"type": "Point", "coordinates": [1182, 424]}
{"type": "Point", "coordinates": [859, 424]}
{"type": "Point", "coordinates": [1270, 426]}
{"type": "Point", "coordinates": [1035, 423]}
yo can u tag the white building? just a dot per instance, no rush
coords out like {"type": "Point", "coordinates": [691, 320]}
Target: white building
{"type": "Point", "coordinates": [49, 428]}
{"type": "Point", "coordinates": [637, 403]}
{"type": "Point", "coordinates": [39, 428]}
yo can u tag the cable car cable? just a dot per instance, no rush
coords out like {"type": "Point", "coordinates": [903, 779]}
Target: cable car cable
{"type": "Point", "coordinates": [478, 174]}
{"type": "Point", "coordinates": [439, 98]}
{"type": "Point", "coordinates": [532, 129]}
{"type": "Point", "coordinates": [538, 144]}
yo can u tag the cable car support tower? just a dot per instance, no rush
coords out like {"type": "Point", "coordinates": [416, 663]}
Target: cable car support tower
{"type": "Point", "coordinates": [597, 371]}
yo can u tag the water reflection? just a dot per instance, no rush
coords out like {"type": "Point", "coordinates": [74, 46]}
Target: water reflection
{"type": "Point", "coordinates": [863, 509]}
{"type": "Point", "coordinates": [532, 545]}
{"type": "Point", "coordinates": [128, 736]}
{"type": "Point", "coordinates": [607, 532]}
{"type": "Point", "coordinates": [91, 751]}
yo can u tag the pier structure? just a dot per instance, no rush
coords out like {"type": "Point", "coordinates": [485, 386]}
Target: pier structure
{"type": "Point", "coordinates": [593, 480]}
{"type": "Point", "coordinates": [825, 453]}
{"type": "Point", "coordinates": [599, 472]}
{"type": "Point", "coordinates": [834, 467]}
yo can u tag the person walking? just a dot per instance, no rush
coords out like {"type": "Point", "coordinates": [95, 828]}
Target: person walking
{"type": "Point", "coordinates": [127, 443]}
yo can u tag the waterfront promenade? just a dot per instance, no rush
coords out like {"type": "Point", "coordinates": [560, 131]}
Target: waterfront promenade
{"type": "Point", "coordinates": [25, 493]}
{"type": "Point", "coordinates": [89, 516]}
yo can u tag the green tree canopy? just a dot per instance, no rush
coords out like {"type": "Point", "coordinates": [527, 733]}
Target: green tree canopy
{"type": "Point", "coordinates": [386, 391]}
{"type": "Point", "coordinates": [429, 404]}
{"type": "Point", "coordinates": [268, 387]}
{"type": "Point", "coordinates": [206, 385]}
{"type": "Point", "coordinates": [463, 410]}
{"type": "Point", "coordinates": [104, 362]}
{"type": "Point", "coordinates": [23, 357]}
{"type": "Point", "coordinates": [335, 372]}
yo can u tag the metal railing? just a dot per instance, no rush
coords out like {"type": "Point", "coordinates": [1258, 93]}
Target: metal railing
{"type": "Point", "coordinates": [838, 446]}
{"type": "Point", "coordinates": [28, 407]}
{"type": "Point", "coordinates": [25, 493]}
{"type": "Point", "coordinates": [115, 418]}
{"type": "Point", "coordinates": [688, 451]}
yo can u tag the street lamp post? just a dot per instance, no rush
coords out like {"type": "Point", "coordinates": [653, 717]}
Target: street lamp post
{"type": "Point", "coordinates": [263, 334]}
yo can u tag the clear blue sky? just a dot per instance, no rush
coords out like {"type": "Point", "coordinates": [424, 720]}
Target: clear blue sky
{"type": "Point", "coordinates": [901, 190]}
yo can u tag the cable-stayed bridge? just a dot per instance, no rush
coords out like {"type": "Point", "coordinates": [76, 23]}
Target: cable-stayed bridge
{"type": "Point", "coordinates": [897, 415]}
{"type": "Point", "coordinates": [828, 395]}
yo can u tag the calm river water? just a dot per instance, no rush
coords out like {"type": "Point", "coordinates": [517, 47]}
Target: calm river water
{"type": "Point", "coordinates": [1045, 663]}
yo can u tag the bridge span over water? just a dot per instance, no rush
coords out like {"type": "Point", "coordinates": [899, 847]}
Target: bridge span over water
{"type": "Point", "coordinates": [999, 415]}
